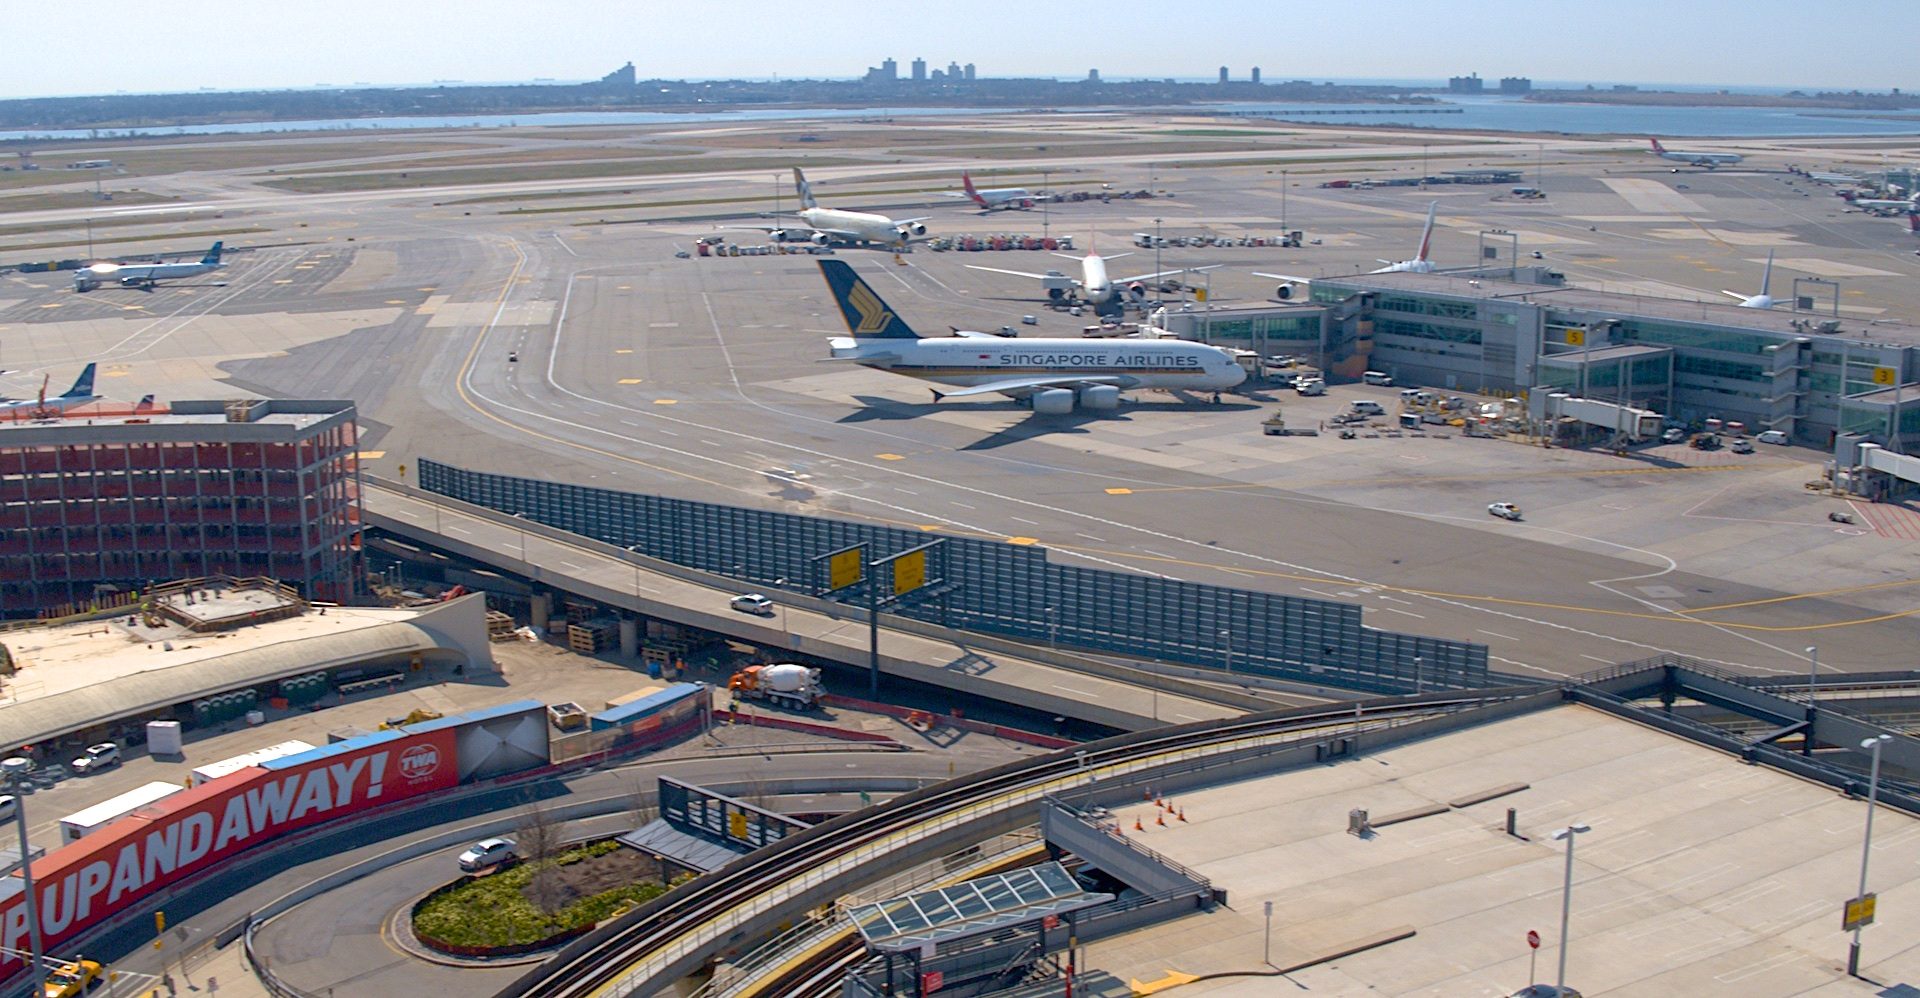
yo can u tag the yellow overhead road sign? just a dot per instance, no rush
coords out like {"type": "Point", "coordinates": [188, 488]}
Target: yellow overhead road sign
{"type": "Point", "coordinates": [844, 569]}
{"type": "Point", "coordinates": [909, 572]}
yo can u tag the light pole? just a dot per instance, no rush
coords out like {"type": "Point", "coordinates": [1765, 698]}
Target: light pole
{"type": "Point", "coordinates": [1283, 202]}
{"type": "Point", "coordinates": [1813, 705]}
{"type": "Point", "coordinates": [1866, 847]}
{"type": "Point", "coordinates": [1566, 901]}
{"type": "Point", "coordinates": [1266, 951]}
{"type": "Point", "coordinates": [1046, 187]}
{"type": "Point", "coordinates": [635, 549]}
{"type": "Point", "coordinates": [1156, 246]}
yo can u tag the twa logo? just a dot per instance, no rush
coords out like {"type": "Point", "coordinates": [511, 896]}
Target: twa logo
{"type": "Point", "coordinates": [419, 762]}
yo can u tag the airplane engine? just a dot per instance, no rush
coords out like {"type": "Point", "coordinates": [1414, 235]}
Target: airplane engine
{"type": "Point", "coordinates": [1284, 292]}
{"type": "Point", "coordinates": [1026, 203]}
{"type": "Point", "coordinates": [1056, 293]}
{"type": "Point", "coordinates": [1102, 397]}
{"type": "Point", "coordinates": [913, 229]}
{"type": "Point", "coordinates": [1053, 401]}
{"type": "Point", "coordinates": [778, 235]}
{"type": "Point", "coordinates": [820, 239]}
{"type": "Point", "coordinates": [1137, 290]}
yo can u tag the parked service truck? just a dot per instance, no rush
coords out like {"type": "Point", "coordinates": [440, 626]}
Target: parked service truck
{"type": "Point", "coordinates": [80, 823]}
{"type": "Point", "coordinates": [785, 683]}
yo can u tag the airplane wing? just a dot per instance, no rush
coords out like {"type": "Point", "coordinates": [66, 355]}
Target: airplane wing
{"type": "Point", "coordinates": [1736, 294]}
{"type": "Point", "coordinates": [1016, 273]}
{"type": "Point", "coordinates": [1018, 387]}
{"type": "Point", "coordinates": [909, 221]}
{"type": "Point", "coordinates": [1167, 273]}
{"type": "Point", "coordinates": [1283, 277]}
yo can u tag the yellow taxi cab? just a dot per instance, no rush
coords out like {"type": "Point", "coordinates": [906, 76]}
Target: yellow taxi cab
{"type": "Point", "coordinates": [72, 979]}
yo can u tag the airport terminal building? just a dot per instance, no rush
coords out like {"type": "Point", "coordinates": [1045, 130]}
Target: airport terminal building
{"type": "Point", "coordinates": [95, 503]}
{"type": "Point", "coordinates": [1804, 373]}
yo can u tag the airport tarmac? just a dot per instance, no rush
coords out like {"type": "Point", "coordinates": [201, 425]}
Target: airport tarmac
{"type": "Point", "coordinates": [703, 377]}
{"type": "Point", "coordinates": [1699, 876]}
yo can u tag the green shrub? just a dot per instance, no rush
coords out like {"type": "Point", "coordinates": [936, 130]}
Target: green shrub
{"type": "Point", "coordinates": [494, 910]}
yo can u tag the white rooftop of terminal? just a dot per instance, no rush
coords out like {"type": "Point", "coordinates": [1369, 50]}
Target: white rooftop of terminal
{"type": "Point", "coordinates": [1701, 875]}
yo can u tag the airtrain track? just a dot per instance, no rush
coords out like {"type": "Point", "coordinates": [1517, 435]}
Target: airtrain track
{"type": "Point", "coordinates": [643, 951]}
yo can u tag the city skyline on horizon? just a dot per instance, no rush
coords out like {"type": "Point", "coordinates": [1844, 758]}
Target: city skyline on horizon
{"type": "Point", "coordinates": [122, 48]}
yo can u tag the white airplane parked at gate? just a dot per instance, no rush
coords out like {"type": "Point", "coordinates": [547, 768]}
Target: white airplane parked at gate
{"type": "Point", "coordinates": [143, 275]}
{"type": "Point", "coordinates": [1420, 264]}
{"type": "Point", "coordinates": [1051, 375]}
{"type": "Point", "coordinates": [80, 394]}
{"type": "Point", "coordinates": [1709, 160]}
{"type": "Point", "coordinates": [1094, 287]}
{"type": "Point", "coordinates": [830, 226]}
{"type": "Point", "coordinates": [995, 199]}
{"type": "Point", "coordinates": [1763, 299]}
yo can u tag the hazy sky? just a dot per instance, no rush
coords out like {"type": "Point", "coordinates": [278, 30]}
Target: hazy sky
{"type": "Point", "coordinates": [106, 45]}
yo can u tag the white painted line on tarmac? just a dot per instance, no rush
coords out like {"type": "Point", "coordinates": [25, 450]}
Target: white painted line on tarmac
{"type": "Point", "coordinates": [1319, 592]}
{"type": "Point", "coordinates": [1408, 613]}
{"type": "Point", "coordinates": [569, 566]}
{"type": "Point", "coordinates": [1596, 658]}
{"type": "Point", "coordinates": [1022, 519]}
{"type": "Point", "coordinates": [1092, 538]}
{"type": "Point", "coordinates": [963, 505]}
{"type": "Point", "coordinates": [1069, 689]}
{"type": "Point", "coordinates": [1496, 634]}
{"type": "Point", "coordinates": [453, 529]}
{"type": "Point", "coordinates": [1156, 554]}
{"type": "Point", "coordinates": [907, 491]}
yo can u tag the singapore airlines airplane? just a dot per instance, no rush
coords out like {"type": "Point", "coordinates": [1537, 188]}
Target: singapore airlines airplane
{"type": "Point", "coordinates": [832, 226]}
{"type": "Point", "coordinates": [136, 275]}
{"type": "Point", "coordinates": [1051, 375]}
{"type": "Point", "coordinates": [996, 199]}
{"type": "Point", "coordinates": [1094, 286]}
{"type": "Point", "coordinates": [1709, 160]}
{"type": "Point", "coordinates": [80, 394]}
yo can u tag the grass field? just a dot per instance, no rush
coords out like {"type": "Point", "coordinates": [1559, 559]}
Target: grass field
{"type": "Point", "coordinates": [548, 171]}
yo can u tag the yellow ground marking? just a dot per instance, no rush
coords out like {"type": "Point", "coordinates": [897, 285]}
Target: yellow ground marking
{"type": "Point", "coordinates": [890, 457]}
{"type": "Point", "coordinates": [370, 455]}
{"type": "Point", "coordinates": [53, 304]}
{"type": "Point", "coordinates": [1173, 980]}
{"type": "Point", "coordinates": [629, 381]}
{"type": "Point", "coordinates": [1023, 541]}
{"type": "Point", "coordinates": [666, 401]}
{"type": "Point", "coordinates": [426, 289]}
{"type": "Point", "coordinates": [623, 351]}
{"type": "Point", "coordinates": [930, 527]}
{"type": "Point", "coordinates": [284, 280]}
{"type": "Point", "coordinates": [116, 374]}
{"type": "Point", "coordinates": [396, 301]}
{"type": "Point", "coordinates": [1119, 492]}
{"type": "Point", "coordinates": [623, 287]}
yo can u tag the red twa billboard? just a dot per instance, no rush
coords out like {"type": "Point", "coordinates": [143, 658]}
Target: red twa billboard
{"type": "Point", "coordinates": [86, 882]}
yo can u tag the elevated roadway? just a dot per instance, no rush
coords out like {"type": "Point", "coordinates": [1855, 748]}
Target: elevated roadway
{"type": "Point", "coordinates": [1099, 691]}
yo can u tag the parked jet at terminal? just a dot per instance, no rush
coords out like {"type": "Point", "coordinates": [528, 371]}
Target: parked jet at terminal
{"type": "Point", "coordinates": [1420, 264]}
{"type": "Point", "coordinates": [1709, 160]}
{"type": "Point", "coordinates": [833, 226]}
{"type": "Point", "coordinates": [997, 199]}
{"type": "Point", "coordinates": [143, 275]}
{"type": "Point", "coordinates": [1763, 299]}
{"type": "Point", "coordinates": [1051, 375]}
{"type": "Point", "coordinates": [80, 394]}
{"type": "Point", "coordinates": [1094, 286]}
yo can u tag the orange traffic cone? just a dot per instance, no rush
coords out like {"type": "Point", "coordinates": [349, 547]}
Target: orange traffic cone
{"type": "Point", "coordinates": [1160, 819]}
{"type": "Point", "coordinates": [1146, 794]}
{"type": "Point", "coordinates": [1137, 826]}
{"type": "Point", "coordinates": [1183, 814]}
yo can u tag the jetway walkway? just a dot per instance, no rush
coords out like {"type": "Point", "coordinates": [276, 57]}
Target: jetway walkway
{"type": "Point", "coordinates": [1060, 683]}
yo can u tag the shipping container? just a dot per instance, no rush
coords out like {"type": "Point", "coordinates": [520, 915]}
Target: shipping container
{"type": "Point", "coordinates": [215, 770]}
{"type": "Point", "coordinates": [647, 706]}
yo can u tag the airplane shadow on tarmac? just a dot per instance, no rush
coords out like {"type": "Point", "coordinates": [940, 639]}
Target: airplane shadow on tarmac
{"type": "Point", "coordinates": [873, 408]}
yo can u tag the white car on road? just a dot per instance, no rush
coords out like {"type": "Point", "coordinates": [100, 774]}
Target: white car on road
{"type": "Point", "coordinates": [1504, 510]}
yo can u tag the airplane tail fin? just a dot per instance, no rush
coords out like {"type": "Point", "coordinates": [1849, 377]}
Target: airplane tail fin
{"type": "Point", "coordinates": [146, 402]}
{"type": "Point", "coordinates": [83, 385]}
{"type": "Point", "coordinates": [1766, 276]}
{"type": "Point", "coordinates": [213, 255]}
{"type": "Point", "coordinates": [867, 316]}
{"type": "Point", "coordinates": [1657, 147]}
{"type": "Point", "coordinates": [1426, 234]}
{"type": "Point", "coordinates": [804, 189]}
{"type": "Point", "coordinates": [966, 182]}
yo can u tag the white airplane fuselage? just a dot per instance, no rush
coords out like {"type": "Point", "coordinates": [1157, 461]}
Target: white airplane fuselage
{"type": "Point", "coordinates": [141, 273]}
{"type": "Point", "coordinates": [870, 227]}
{"type": "Point", "coordinates": [970, 361]}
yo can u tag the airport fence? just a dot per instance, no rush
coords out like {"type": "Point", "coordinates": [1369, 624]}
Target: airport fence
{"type": "Point", "coordinates": [997, 587]}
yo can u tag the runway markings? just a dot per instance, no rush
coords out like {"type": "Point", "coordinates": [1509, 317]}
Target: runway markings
{"type": "Point", "coordinates": [1023, 541]}
{"type": "Point", "coordinates": [1890, 520]}
{"type": "Point", "coordinates": [629, 381]}
{"type": "Point", "coordinates": [52, 305]}
{"type": "Point", "coordinates": [890, 457]}
{"type": "Point", "coordinates": [284, 280]}
{"type": "Point", "coordinates": [666, 401]}
{"type": "Point", "coordinates": [623, 350]}
{"type": "Point", "coordinates": [1119, 492]}
{"type": "Point", "coordinates": [396, 301]}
